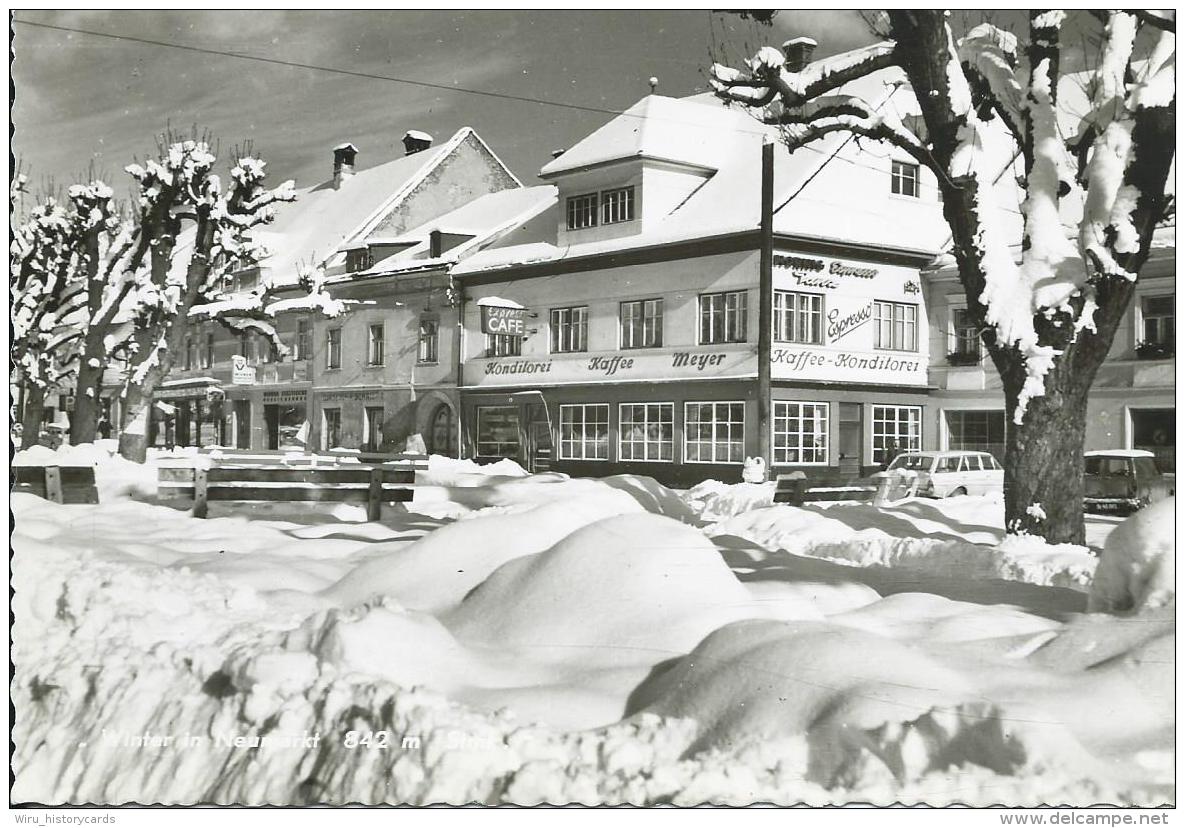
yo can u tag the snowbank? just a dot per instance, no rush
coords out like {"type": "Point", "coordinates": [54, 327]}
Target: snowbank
{"type": "Point", "coordinates": [1138, 566]}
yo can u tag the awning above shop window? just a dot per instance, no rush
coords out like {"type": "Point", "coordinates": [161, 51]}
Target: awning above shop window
{"type": "Point", "coordinates": [188, 389]}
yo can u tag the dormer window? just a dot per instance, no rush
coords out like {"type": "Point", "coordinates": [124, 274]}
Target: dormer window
{"type": "Point", "coordinates": [582, 211]}
{"type": "Point", "coordinates": [617, 205]}
{"type": "Point", "coordinates": [359, 259]}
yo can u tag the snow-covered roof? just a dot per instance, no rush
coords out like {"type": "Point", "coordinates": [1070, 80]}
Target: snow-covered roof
{"type": "Point", "coordinates": [1119, 453]}
{"type": "Point", "coordinates": [417, 135]}
{"type": "Point", "coordinates": [498, 302]}
{"type": "Point", "coordinates": [345, 146]}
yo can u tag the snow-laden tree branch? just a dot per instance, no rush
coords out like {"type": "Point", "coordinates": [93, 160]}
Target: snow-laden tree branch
{"type": "Point", "coordinates": [766, 78]}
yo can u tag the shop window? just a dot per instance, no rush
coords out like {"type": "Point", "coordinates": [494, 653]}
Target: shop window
{"type": "Point", "coordinates": [569, 330]}
{"type": "Point", "coordinates": [374, 428]}
{"type": "Point", "coordinates": [641, 323]}
{"type": "Point", "coordinates": [331, 428]}
{"type": "Point", "coordinates": [905, 179]}
{"type": "Point", "coordinates": [497, 431]}
{"type": "Point", "coordinates": [798, 317]}
{"type": "Point", "coordinates": [582, 211]}
{"type": "Point", "coordinates": [895, 428]}
{"type": "Point", "coordinates": [617, 205]}
{"type": "Point", "coordinates": [584, 432]}
{"type": "Point", "coordinates": [503, 345]}
{"type": "Point", "coordinates": [429, 342]}
{"type": "Point", "coordinates": [375, 345]}
{"type": "Point", "coordinates": [722, 317]}
{"type": "Point", "coordinates": [646, 431]}
{"type": "Point", "coordinates": [976, 431]}
{"type": "Point", "coordinates": [714, 432]}
{"type": "Point", "coordinates": [1155, 430]}
{"type": "Point", "coordinates": [333, 348]}
{"type": "Point", "coordinates": [896, 326]}
{"type": "Point", "coordinates": [800, 433]}
{"type": "Point", "coordinates": [304, 340]}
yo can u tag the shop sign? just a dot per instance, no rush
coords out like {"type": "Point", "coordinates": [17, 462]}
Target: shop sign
{"type": "Point", "coordinates": [284, 396]}
{"type": "Point", "coordinates": [504, 321]}
{"type": "Point", "coordinates": [351, 395]}
{"type": "Point", "coordinates": [722, 361]}
{"type": "Point", "coordinates": [240, 372]}
{"type": "Point", "coordinates": [846, 366]}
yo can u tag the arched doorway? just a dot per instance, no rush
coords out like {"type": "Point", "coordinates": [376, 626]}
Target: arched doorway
{"type": "Point", "coordinates": [442, 433]}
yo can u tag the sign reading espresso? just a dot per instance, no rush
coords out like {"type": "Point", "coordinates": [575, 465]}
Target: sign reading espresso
{"type": "Point", "coordinates": [505, 321]}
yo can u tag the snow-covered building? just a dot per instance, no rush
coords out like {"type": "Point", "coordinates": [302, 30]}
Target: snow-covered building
{"type": "Point", "coordinates": [625, 336]}
{"type": "Point", "coordinates": [235, 390]}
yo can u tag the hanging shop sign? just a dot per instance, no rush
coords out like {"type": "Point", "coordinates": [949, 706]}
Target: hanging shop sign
{"type": "Point", "coordinates": [240, 372]}
{"type": "Point", "coordinates": [505, 321]}
{"type": "Point", "coordinates": [695, 363]}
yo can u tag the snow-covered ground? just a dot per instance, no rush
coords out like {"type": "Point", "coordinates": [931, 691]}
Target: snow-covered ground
{"type": "Point", "coordinates": [524, 639]}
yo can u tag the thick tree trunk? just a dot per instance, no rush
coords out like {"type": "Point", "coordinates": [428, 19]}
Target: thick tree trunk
{"type": "Point", "coordinates": [133, 432]}
{"type": "Point", "coordinates": [85, 417]}
{"type": "Point", "coordinates": [32, 415]}
{"type": "Point", "coordinates": [1043, 462]}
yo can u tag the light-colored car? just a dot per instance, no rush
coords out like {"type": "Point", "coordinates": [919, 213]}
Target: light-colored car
{"type": "Point", "coordinates": [1122, 480]}
{"type": "Point", "coordinates": [950, 473]}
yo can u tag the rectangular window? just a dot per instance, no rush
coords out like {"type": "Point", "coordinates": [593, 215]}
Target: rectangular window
{"type": "Point", "coordinates": [266, 349]}
{"type": "Point", "coordinates": [641, 324]}
{"type": "Point", "coordinates": [722, 317]}
{"type": "Point", "coordinates": [905, 179]}
{"type": "Point", "coordinates": [358, 260]}
{"type": "Point", "coordinates": [429, 341]}
{"type": "Point", "coordinates": [964, 333]}
{"type": "Point", "coordinates": [582, 211]}
{"type": "Point", "coordinates": [617, 205]}
{"type": "Point", "coordinates": [896, 326]}
{"type": "Point", "coordinates": [503, 345]}
{"type": "Point", "coordinates": [245, 346]}
{"type": "Point", "coordinates": [190, 351]}
{"type": "Point", "coordinates": [303, 348]}
{"type": "Point", "coordinates": [714, 432]}
{"type": "Point", "coordinates": [375, 345]}
{"type": "Point", "coordinates": [569, 330]}
{"type": "Point", "coordinates": [584, 432]}
{"type": "Point", "coordinates": [646, 432]}
{"type": "Point", "coordinates": [895, 428]}
{"type": "Point", "coordinates": [333, 348]}
{"type": "Point", "coordinates": [208, 354]}
{"type": "Point", "coordinates": [1159, 319]}
{"type": "Point", "coordinates": [374, 427]}
{"type": "Point", "coordinates": [800, 433]}
{"type": "Point", "coordinates": [798, 317]}
{"type": "Point", "coordinates": [331, 431]}
{"type": "Point", "coordinates": [497, 431]}
{"type": "Point", "coordinates": [977, 431]}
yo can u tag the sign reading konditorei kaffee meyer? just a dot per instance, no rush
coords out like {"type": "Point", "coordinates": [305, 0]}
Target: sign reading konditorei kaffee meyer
{"type": "Point", "coordinates": [691, 363]}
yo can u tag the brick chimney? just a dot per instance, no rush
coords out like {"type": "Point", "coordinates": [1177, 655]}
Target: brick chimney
{"type": "Point", "coordinates": [343, 163]}
{"type": "Point", "coordinates": [415, 141]}
{"type": "Point", "coordinates": [798, 52]}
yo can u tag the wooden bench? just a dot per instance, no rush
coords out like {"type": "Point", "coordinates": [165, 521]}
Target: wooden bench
{"type": "Point", "coordinates": [228, 479]}
{"type": "Point", "coordinates": [57, 484]}
{"type": "Point", "coordinates": [792, 489]}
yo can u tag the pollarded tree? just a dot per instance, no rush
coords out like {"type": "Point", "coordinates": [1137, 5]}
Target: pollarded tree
{"type": "Point", "coordinates": [190, 234]}
{"type": "Point", "coordinates": [1048, 320]}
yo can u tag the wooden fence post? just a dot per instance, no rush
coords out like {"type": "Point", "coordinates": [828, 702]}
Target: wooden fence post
{"type": "Point", "coordinates": [200, 482]}
{"type": "Point", "coordinates": [53, 484]}
{"type": "Point", "coordinates": [374, 498]}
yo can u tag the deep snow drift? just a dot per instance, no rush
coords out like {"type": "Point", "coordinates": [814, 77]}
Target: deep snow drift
{"type": "Point", "coordinates": [528, 639]}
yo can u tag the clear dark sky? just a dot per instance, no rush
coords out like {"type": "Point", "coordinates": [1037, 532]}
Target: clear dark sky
{"type": "Point", "coordinates": [81, 98]}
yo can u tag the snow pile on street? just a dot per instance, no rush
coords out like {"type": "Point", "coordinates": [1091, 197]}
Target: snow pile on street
{"type": "Point", "coordinates": [952, 538]}
{"type": "Point", "coordinates": [115, 477]}
{"type": "Point", "coordinates": [566, 642]}
{"type": "Point", "coordinates": [713, 500]}
{"type": "Point", "coordinates": [1138, 566]}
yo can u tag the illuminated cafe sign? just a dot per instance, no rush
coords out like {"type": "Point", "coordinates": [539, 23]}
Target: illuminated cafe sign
{"type": "Point", "coordinates": [505, 321]}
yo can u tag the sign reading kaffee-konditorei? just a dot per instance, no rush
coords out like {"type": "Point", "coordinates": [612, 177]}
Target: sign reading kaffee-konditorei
{"type": "Point", "coordinates": [505, 321]}
{"type": "Point", "coordinates": [692, 363]}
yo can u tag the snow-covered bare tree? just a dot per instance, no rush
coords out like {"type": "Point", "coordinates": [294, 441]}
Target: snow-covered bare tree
{"type": "Point", "coordinates": [190, 234]}
{"type": "Point", "coordinates": [1048, 320]}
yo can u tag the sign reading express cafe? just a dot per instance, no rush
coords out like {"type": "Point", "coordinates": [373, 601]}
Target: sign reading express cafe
{"type": "Point", "coordinates": [693, 363]}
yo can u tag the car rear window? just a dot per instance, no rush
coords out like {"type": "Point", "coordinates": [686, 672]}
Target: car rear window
{"type": "Point", "coordinates": [1146, 469]}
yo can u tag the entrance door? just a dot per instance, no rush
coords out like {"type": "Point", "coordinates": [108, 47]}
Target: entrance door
{"type": "Point", "coordinates": [1155, 430]}
{"type": "Point", "coordinates": [539, 443]}
{"type": "Point", "coordinates": [271, 420]}
{"type": "Point", "coordinates": [242, 411]}
{"type": "Point", "coordinates": [851, 439]}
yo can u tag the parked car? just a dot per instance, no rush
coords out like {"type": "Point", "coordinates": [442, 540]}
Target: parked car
{"type": "Point", "coordinates": [1122, 480]}
{"type": "Point", "coordinates": [950, 473]}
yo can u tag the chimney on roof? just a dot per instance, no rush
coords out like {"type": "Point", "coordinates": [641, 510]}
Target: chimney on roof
{"type": "Point", "coordinates": [343, 163]}
{"type": "Point", "coordinates": [435, 244]}
{"type": "Point", "coordinates": [798, 53]}
{"type": "Point", "coordinates": [557, 153]}
{"type": "Point", "coordinates": [415, 141]}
